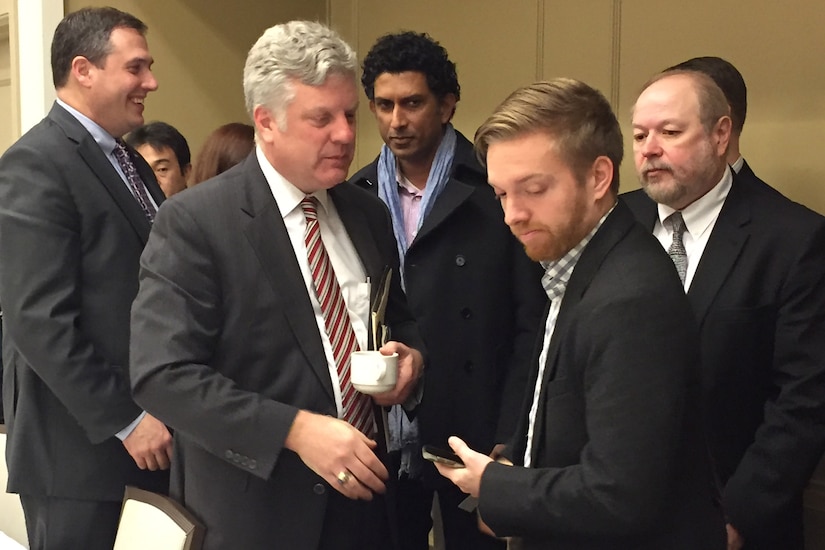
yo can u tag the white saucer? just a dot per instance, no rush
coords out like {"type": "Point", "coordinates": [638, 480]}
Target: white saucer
{"type": "Point", "coordinates": [371, 389]}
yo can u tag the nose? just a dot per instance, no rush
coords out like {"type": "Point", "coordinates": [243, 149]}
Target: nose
{"type": "Point", "coordinates": [649, 146]}
{"type": "Point", "coordinates": [399, 118]}
{"type": "Point", "coordinates": [514, 212]}
{"type": "Point", "coordinates": [150, 84]}
{"type": "Point", "coordinates": [344, 129]}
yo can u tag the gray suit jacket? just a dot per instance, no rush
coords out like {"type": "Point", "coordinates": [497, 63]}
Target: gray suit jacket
{"type": "Point", "coordinates": [222, 291]}
{"type": "Point", "coordinates": [71, 235]}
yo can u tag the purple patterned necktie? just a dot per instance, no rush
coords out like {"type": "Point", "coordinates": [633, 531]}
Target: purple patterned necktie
{"type": "Point", "coordinates": [136, 184]}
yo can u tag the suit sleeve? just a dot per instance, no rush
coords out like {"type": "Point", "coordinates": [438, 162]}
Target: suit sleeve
{"type": "Point", "coordinates": [177, 321]}
{"type": "Point", "coordinates": [529, 301]}
{"type": "Point", "coordinates": [42, 255]}
{"type": "Point", "coordinates": [775, 469]}
{"type": "Point", "coordinates": [632, 357]}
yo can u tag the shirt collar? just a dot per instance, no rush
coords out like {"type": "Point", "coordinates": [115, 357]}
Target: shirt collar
{"type": "Point", "coordinates": [286, 195]}
{"type": "Point", "coordinates": [737, 166]}
{"type": "Point", "coordinates": [700, 214]}
{"type": "Point", "coordinates": [103, 138]}
{"type": "Point", "coordinates": [557, 273]}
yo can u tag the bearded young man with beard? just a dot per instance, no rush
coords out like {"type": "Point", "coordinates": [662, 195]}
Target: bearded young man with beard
{"type": "Point", "coordinates": [753, 269]}
{"type": "Point", "coordinates": [608, 452]}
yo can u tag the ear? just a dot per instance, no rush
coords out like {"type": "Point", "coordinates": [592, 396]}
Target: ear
{"type": "Point", "coordinates": [187, 170]}
{"type": "Point", "coordinates": [721, 135]}
{"type": "Point", "coordinates": [266, 123]}
{"type": "Point", "coordinates": [82, 70]}
{"type": "Point", "coordinates": [372, 106]}
{"type": "Point", "coordinates": [602, 174]}
{"type": "Point", "coordinates": [447, 108]}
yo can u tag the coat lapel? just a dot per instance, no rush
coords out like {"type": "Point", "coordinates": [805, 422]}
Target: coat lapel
{"type": "Point", "coordinates": [268, 237]}
{"type": "Point", "coordinates": [352, 215]}
{"type": "Point", "coordinates": [724, 247]}
{"type": "Point", "coordinates": [614, 228]}
{"type": "Point", "coordinates": [94, 157]}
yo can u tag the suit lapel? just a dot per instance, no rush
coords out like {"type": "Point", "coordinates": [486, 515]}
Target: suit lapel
{"type": "Point", "coordinates": [614, 228]}
{"type": "Point", "coordinates": [724, 246]}
{"type": "Point", "coordinates": [96, 160]}
{"type": "Point", "coordinates": [268, 237]}
{"type": "Point", "coordinates": [352, 215]}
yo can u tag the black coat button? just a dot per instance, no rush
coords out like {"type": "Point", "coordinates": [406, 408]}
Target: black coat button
{"type": "Point", "coordinates": [468, 366]}
{"type": "Point", "coordinates": [466, 313]}
{"type": "Point", "coordinates": [460, 260]}
{"type": "Point", "coordinates": [319, 489]}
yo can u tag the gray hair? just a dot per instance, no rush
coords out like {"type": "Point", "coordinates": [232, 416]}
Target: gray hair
{"type": "Point", "coordinates": [303, 51]}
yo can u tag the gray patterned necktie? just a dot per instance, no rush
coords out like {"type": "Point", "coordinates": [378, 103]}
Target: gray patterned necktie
{"type": "Point", "coordinates": [136, 184]}
{"type": "Point", "coordinates": [677, 251]}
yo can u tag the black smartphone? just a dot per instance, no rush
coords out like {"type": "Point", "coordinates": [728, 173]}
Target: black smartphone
{"type": "Point", "coordinates": [442, 456]}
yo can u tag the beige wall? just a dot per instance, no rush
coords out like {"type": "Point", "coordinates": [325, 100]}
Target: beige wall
{"type": "Point", "coordinates": [8, 122]}
{"type": "Point", "coordinates": [199, 48]}
{"type": "Point", "coordinates": [615, 46]}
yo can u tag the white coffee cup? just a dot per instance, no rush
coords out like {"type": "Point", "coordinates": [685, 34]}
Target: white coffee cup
{"type": "Point", "coordinates": [372, 372]}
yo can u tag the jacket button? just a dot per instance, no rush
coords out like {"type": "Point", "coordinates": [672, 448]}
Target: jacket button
{"type": "Point", "coordinates": [468, 366]}
{"type": "Point", "coordinates": [460, 260]}
{"type": "Point", "coordinates": [228, 454]}
{"type": "Point", "coordinates": [252, 464]}
{"type": "Point", "coordinates": [319, 489]}
{"type": "Point", "coordinates": [466, 313]}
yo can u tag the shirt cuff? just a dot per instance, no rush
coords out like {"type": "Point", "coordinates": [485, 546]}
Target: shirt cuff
{"type": "Point", "coordinates": [127, 431]}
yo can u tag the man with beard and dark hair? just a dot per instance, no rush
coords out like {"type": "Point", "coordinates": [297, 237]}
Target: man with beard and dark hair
{"type": "Point", "coordinates": [474, 293]}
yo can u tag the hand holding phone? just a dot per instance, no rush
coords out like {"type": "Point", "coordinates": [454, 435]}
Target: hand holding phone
{"type": "Point", "coordinates": [442, 456]}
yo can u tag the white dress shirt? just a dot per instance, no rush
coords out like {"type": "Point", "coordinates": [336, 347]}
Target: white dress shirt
{"type": "Point", "coordinates": [700, 217]}
{"type": "Point", "coordinates": [345, 261]}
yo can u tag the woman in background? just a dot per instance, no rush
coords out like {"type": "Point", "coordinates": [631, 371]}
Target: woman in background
{"type": "Point", "coordinates": [225, 147]}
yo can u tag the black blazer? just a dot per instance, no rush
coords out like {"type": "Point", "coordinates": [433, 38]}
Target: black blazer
{"type": "Point", "coordinates": [477, 299]}
{"type": "Point", "coordinates": [617, 458]}
{"type": "Point", "coordinates": [240, 354]}
{"type": "Point", "coordinates": [759, 297]}
{"type": "Point", "coordinates": [71, 234]}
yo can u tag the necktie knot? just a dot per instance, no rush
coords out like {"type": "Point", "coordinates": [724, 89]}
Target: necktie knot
{"type": "Point", "coordinates": [308, 206]}
{"type": "Point", "coordinates": [677, 224]}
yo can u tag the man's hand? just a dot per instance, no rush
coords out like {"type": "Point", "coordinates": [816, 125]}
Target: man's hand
{"type": "Point", "coordinates": [150, 444]}
{"type": "Point", "coordinates": [339, 453]}
{"type": "Point", "coordinates": [735, 540]}
{"type": "Point", "coordinates": [410, 369]}
{"type": "Point", "coordinates": [468, 479]}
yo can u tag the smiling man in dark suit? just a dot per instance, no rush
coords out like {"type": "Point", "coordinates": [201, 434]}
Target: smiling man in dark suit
{"type": "Point", "coordinates": [232, 340]}
{"type": "Point", "coordinates": [755, 277]}
{"type": "Point", "coordinates": [75, 212]}
{"type": "Point", "coordinates": [608, 453]}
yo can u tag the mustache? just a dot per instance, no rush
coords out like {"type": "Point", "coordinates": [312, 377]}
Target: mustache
{"type": "Point", "coordinates": [649, 166]}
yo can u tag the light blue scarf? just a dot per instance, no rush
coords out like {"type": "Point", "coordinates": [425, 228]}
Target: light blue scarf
{"type": "Point", "coordinates": [436, 181]}
{"type": "Point", "coordinates": [403, 431]}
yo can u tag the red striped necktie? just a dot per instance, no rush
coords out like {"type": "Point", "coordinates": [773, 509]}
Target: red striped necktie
{"type": "Point", "coordinates": [357, 407]}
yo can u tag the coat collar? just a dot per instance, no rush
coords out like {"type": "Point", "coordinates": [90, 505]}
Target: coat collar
{"type": "Point", "coordinates": [466, 175]}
